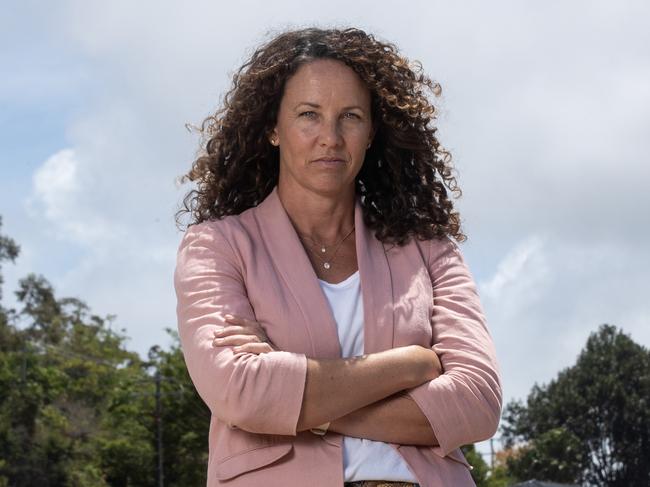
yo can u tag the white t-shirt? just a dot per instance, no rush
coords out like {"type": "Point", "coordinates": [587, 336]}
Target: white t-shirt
{"type": "Point", "coordinates": [362, 459]}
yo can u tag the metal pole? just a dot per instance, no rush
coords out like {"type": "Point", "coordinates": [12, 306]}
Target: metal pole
{"type": "Point", "coordinates": [161, 482]}
{"type": "Point", "coordinates": [492, 454]}
{"type": "Point", "coordinates": [23, 369]}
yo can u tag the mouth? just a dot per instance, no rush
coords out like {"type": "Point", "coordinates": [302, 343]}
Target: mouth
{"type": "Point", "coordinates": [330, 160]}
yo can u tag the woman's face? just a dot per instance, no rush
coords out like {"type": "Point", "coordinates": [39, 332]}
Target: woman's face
{"type": "Point", "coordinates": [323, 129]}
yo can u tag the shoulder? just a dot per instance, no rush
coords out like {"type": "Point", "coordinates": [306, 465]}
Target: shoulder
{"type": "Point", "coordinates": [228, 231]}
{"type": "Point", "coordinates": [436, 251]}
{"type": "Point", "coordinates": [223, 244]}
{"type": "Point", "coordinates": [443, 248]}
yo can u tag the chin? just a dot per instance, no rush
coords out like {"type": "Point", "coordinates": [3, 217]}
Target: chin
{"type": "Point", "coordinates": [333, 189]}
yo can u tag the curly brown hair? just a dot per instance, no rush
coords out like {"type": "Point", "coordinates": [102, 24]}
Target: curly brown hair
{"type": "Point", "coordinates": [406, 175]}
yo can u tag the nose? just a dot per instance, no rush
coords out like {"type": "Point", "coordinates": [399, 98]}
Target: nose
{"type": "Point", "coordinates": [330, 134]}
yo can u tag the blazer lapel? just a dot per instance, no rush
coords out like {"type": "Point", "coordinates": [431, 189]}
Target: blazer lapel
{"type": "Point", "coordinates": [376, 287]}
{"type": "Point", "coordinates": [291, 262]}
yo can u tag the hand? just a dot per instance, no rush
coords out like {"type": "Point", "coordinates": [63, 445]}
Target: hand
{"type": "Point", "coordinates": [244, 336]}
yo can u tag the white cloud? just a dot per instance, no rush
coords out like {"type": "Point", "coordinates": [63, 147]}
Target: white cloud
{"type": "Point", "coordinates": [56, 182]}
{"type": "Point", "coordinates": [60, 195]}
{"type": "Point", "coordinates": [122, 267]}
{"type": "Point", "coordinates": [547, 296]}
{"type": "Point", "coordinates": [519, 276]}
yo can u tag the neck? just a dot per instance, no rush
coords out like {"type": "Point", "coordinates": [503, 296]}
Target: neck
{"type": "Point", "coordinates": [323, 217]}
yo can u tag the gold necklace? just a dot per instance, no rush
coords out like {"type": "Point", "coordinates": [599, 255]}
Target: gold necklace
{"type": "Point", "coordinates": [327, 263]}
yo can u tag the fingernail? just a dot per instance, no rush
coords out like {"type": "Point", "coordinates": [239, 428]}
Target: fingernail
{"type": "Point", "coordinates": [229, 317]}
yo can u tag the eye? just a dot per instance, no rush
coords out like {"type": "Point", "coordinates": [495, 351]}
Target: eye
{"type": "Point", "coordinates": [351, 115]}
{"type": "Point", "coordinates": [308, 114]}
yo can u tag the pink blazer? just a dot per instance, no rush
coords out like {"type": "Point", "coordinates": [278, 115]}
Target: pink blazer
{"type": "Point", "coordinates": [253, 265]}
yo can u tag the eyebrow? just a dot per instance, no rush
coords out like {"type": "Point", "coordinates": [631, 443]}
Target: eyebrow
{"type": "Point", "coordinates": [316, 105]}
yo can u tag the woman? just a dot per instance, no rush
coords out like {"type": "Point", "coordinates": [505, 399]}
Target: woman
{"type": "Point", "coordinates": [326, 316]}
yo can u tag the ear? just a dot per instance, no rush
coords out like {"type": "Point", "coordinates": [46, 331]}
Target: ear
{"type": "Point", "coordinates": [274, 139]}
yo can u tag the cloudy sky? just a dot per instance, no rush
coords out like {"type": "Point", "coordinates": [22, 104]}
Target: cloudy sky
{"type": "Point", "coordinates": [545, 107]}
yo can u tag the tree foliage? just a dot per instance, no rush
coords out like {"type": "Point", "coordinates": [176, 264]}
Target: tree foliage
{"type": "Point", "coordinates": [8, 251]}
{"type": "Point", "coordinates": [186, 420]}
{"type": "Point", "coordinates": [78, 409]}
{"type": "Point", "coordinates": [592, 423]}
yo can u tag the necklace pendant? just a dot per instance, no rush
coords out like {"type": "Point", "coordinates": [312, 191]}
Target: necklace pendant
{"type": "Point", "coordinates": [326, 265]}
{"type": "Point", "coordinates": [322, 249]}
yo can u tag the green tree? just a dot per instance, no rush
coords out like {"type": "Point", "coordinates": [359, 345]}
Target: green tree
{"type": "Point", "coordinates": [500, 476]}
{"type": "Point", "coordinates": [71, 412]}
{"type": "Point", "coordinates": [9, 250]}
{"type": "Point", "coordinates": [592, 423]}
{"type": "Point", "coordinates": [480, 469]}
{"type": "Point", "coordinates": [556, 454]}
{"type": "Point", "coordinates": [186, 419]}
{"type": "Point", "coordinates": [69, 406]}
{"type": "Point", "coordinates": [9, 340]}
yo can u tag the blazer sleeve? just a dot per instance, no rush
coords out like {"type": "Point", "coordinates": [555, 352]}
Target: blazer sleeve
{"type": "Point", "coordinates": [257, 393]}
{"type": "Point", "coordinates": [463, 405]}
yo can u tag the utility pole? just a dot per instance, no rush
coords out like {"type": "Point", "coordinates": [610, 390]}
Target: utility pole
{"type": "Point", "coordinates": [161, 481]}
{"type": "Point", "coordinates": [23, 368]}
{"type": "Point", "coordinates": [492, 454]}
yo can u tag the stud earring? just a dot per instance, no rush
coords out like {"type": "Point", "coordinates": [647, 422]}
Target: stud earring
{"type": "Point", "coordinates": [274, 141]}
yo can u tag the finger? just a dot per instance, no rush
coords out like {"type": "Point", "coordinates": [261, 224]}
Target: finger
{"type": "Point", "coordinates": [256, 348]}
{"type": "Point", "coordinates": [244, 326]}
{"type": "Point", "coordinates": [232, 330]}
{"type": "Point", "coordinates": [240, 330]}
{"type": "Point", "coordinates": [234, 340]}
{"type": "Point", "coordinates": [235, 319]}
{"type": "Point", "coordinates": [242, 321]}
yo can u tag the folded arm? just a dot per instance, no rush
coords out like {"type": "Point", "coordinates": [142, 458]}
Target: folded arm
{"type": "Point", "coordinates": [458, 407]}
{"type": "Point", "coordinates": [240, 388]}
{"type": "Point", "coordinates": [395, 419]}
{"type": "Point", "coordinates": [276, 392]}
{"type": "Point", "coordinates": [339, 387]}
{"type": "Point", "coordinates": [463, 405]}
